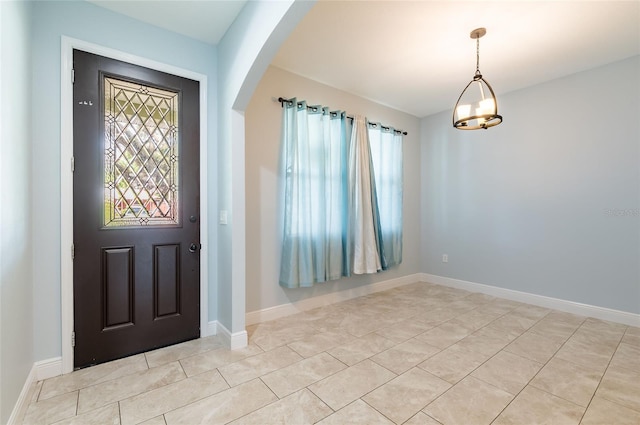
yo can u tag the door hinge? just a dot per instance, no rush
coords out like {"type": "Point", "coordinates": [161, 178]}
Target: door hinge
{"type": "Point", "coordinates": [73, 339]}
{"type": "Point", "coordinates": [73, 76]}
{"type": "Point", "coordinates": [73, 251]}
{"type": "Point", "coordinates": [73, 164]}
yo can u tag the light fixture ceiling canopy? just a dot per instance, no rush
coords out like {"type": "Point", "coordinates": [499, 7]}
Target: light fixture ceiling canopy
{"type": "Point", "coordinates": [477, 106]}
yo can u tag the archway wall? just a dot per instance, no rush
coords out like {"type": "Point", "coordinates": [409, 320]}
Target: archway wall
{"type": "Point", "coordinates": [244, 54]}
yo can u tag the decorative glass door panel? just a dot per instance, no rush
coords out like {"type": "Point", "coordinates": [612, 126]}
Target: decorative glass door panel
{"type": "Point", "coordinates": [141, 148]}
{"type": "Point", "coordinates": [136, 267]}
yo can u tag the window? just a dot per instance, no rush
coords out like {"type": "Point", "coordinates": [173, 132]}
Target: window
{"type": "Point", "coordinates": [317, 235]}
{"type": "Point", "coordinates": [386, 154]}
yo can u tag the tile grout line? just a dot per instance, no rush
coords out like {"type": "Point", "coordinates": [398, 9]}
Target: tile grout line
{"type": "Point", "coordinates": [453, 385]}
{"type": "Point", "coordinates": [372, 390]}
{"type": "Point", "coordinates": [93, 384]}
{"type": "Point", "coordinates": [602, 377]}
{"type": "Point", "coordinates": [416, 366]}
{"type": "Point", "coordinates": [376, 306]}
{"type": "Point", "coordinates": [38, 391]}
{"type": "Point", "coordinates": [486, 361]}
{"type": "Point", "coordinates": [320, 398]}
{"type": "Point", "coordinates": [146, 391]}
{"type": "Point", "coordinates": [365, 402]}
{"type": "Point", "coordinates": [200, 399]}
{"type": "Point", "coordinates": [225, 379]}
{"type": "Point", "coordinates": [429, 416]}
{"type": "Point", "coordinates": [538, 372]}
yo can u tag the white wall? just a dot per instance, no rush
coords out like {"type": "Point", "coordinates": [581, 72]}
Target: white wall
{"type": "Point", "coordinates": [244, 53]}
{"type": "Point", "coordinates": [263, 128]}
{"type": "Point", "coordinates": [549, 201]}
{"type": "Point", "coordinates": [87, 22]}
{"type": "Point", "coordinates": [16, 301]}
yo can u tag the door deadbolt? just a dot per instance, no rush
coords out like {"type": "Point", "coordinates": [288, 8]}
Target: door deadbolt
{"type": "Point", "coordinates": [193, 247]}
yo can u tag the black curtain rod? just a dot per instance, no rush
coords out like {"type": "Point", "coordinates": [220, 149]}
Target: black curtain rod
{"type": "Point", "coordinates": [315, 109]}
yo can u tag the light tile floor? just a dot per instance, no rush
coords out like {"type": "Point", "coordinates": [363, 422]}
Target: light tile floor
{"type": "Point", "coordinates": [417, 354]}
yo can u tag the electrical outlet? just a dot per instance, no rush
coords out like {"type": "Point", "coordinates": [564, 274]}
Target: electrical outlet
{"type": "Point", "coordinates": [445, 258]}
{"type": "Point", "coordinates": [223, 217]}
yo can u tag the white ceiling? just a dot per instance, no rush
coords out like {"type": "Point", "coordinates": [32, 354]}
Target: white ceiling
{"type": "Point", "coordinates": [416, 56]}
{"type": "Point", "coordinates": [204, 20]}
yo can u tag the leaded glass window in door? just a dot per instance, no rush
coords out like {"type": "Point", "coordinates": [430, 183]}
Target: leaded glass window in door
{"type": "Point", "coordinates": [140, 155]}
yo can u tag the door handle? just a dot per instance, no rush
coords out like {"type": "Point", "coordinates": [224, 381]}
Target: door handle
{"type": "Point", "coordinates": [193, 247]}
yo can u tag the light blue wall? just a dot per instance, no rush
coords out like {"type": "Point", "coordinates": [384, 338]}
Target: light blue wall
{"type": "Point", "coordinates": [16, 299]}
{"type": "Point", "coordinates": [84, 21]}
{"type": "Point", "coordinates": [549, 201]}
{"type": "Point", "coordinates": [263, 131]}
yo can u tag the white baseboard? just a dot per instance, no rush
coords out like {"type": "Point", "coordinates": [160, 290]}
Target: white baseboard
{"type": "Point", "coordinates": [43, 369]}
{"type": "Point", "coordinates": [234, 340]}
{"type": "Point", "coordinates": [46, 369]}
{"type": "Point", "coordinates": [602, 313]}
{"type": "Point", "coordinates": [210, 329]}
{"type": "Point", "coordinates": [20, 408]}
{"type": "Point", "coordinates": [283, 310]}
{"type": "Point", "coordinates": [272, 313]}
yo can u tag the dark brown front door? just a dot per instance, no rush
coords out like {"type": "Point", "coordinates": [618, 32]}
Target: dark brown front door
{"type": "Point", "coordinates": [136, 209]}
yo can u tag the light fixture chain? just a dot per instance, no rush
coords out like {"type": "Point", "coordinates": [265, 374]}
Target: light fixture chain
{"type": "Point", "coordinates": [477, 55]}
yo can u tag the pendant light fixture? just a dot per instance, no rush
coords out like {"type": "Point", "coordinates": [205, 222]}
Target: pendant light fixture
{"type": "Point", "coordinates": [477, 106]}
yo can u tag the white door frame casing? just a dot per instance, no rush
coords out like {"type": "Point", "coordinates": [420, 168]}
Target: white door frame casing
{"type": "Point", "coordinates": [66, 181]}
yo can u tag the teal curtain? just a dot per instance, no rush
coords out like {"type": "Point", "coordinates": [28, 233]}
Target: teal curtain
{"type": "Point", "coordinates": [313, 163]}
{"type": "Point", "coordinates": [341, 196]}
{"type": "Point", "coordinates": [386, 154]}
